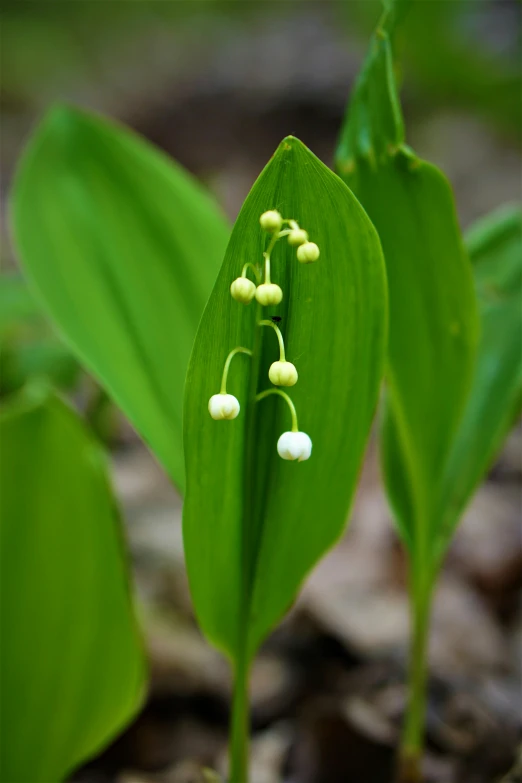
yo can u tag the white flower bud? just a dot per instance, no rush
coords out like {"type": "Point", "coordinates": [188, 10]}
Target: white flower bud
{"type": "Point", "coordinates": [295, 446]}
{"type": "Point", "coordinates": [283, 374]}
{"type": "Point", "coordinates": [271, 220]}
{"type": "Point", "coordinates": [307, 253]}
{"type": "Point", "coordinates": [223, 406]}
{"type": "Point", "coordinates": [243, 290]}
{"type": "Point", "coordinates": [297, 237]}
{"type": "Point", "coordinates": [268, 294]}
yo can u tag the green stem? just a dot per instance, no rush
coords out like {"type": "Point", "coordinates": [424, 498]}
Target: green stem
{"type": "Point", "coordinates": [240, 725]}
{"type": "Point", "coordinates": [254, 268]}
{"type": "Point", "coordinates": [412, 742]}
{"type": "Point", "coordinates": [226, 368]}
{"type": "Point", "coordinates": [293, 412]}
{"type": "Point", "coordinates": [277, 330]}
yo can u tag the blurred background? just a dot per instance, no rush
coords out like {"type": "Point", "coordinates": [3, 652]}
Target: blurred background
{"type": "Point", "coordinates": [217, 85]}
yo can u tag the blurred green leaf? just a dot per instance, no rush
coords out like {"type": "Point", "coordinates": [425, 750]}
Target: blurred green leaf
{"type": "Point", "coordinates": [29, 349]}
{"type": "Point", "coordinates": [495, 247]}
{"type": "Point", "coordinates": [72, 666]}
{"type": "Point", "coordinates": [17, 305]}
{"type": "Point", "coordinates": [123, 247]}
{"type": "Point", "coordinates": [254, 524]}
{"type": "Point", "coordinates": [455, 55]}
{"type": "Point", "coordinates": [433, 315]}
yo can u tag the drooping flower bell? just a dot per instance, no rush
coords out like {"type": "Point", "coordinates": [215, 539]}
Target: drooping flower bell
{"type": "Point", "coordinates": [271, 220]}
{"type": "Point", "coordinates": [223, 406]}
{"type": "Point", "coordinates": [243, 290]}
{"type": "Point", "coordinates": [307, 253]}
{"type": "Point", "coordinates": [268, 294]}
{"type": "Point", "coordinates": [283, 374]}
{"type": "Point", "coordinates": [297, 236]}
{"type": "Point", "coordinates": [294, 446]}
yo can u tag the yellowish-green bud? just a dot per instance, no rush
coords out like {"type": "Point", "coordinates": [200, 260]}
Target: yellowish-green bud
{"type": "Point", "coordinates": [271, 220]}
{"type": "Point", "coordinates": [268, 294]}
{"type": "Point", "coordinates": [297, 236]}
{"type": "Point", "coordinates": [243, 290]}
{"type": "Point", "coordinates": [283, 374]}
{"type": "Point", "coordinates": [307, 253]}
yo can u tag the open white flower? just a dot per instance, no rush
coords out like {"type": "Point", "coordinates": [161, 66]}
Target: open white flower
{"type": "Point", "coordinates": [294, 446]}
{"type": "Point", "coordinates": [283, 374]}
{"type": "Point", "coordinates": [223, 406]}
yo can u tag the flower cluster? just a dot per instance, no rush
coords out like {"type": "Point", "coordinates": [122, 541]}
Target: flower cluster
{"type": "Point", "coordinates": [292, 445]}
{"type": "Point", "coordinates": [267, 293]}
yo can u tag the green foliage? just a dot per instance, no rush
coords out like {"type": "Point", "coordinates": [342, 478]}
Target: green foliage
{"type": "Point", "coordinates": [72, 667]}
{"type": "Point", "coordinates": [495, 247]}
{"type": "Point", "coordinates": [433, 317]}
{"type": "Point", "coordinates": [254, 524]}
{"type": "Point", "coordinates": [450, 58]}
{"type": "Point", "coordinates": [122, 247]}
{"type": "Point", "coordinates": [450, 397]}
{"type": "Point", "coordinates": [28, 347]}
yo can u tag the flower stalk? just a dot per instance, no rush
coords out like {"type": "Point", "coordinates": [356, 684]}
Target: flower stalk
{"type": "Point", "coordinates": [292, 445]}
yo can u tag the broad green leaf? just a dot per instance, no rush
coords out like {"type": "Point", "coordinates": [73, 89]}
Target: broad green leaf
{"type": "Point", "coordinates": [72, 665]}
{"type": "Point", "coordinates": [495, 247]}
{"type": "Point", "coordinates": [254, 524]}
{"type": "Point", "coordinates": [123, 248]}
{"type": "Point", "coordinates": [433, 316]}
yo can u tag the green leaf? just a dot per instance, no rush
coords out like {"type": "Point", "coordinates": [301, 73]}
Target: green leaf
{"type": "Point", "coordinates": [495, 247]}
{"type": "Point", "coordinates": [28, 347]}
{"type": "Point", "coordinates": [433, 313]}
{"type": "Point", "coordinates": [123, 248]}
{"type": "Point", "coordinates": [255, 524]}
{"type": "Point", "coordinates": [72, 666]}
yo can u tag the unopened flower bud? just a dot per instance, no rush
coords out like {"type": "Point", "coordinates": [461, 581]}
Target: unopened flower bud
{"type": "Point", "coordinates": [243, 290]}
{"type": "Point", "coordinates": [223, 406]}
{"type": "Point", "coordinates": [307, 253]}
{"type": "Point", "coordinates": [271, 220]}
{"type": "Point", "coordinates": [268, 294]}
{"type": "Point", "coordinates": [283, 374]}
{"type": "Point", "coordinates": [294, 446]}
{"type": "Point", "coordinates": [297, 237]}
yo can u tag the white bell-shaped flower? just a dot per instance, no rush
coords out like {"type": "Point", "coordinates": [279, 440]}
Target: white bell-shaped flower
{"type": "Point", "coordinates": [243, 290]}
{"type": "Point", "coordinates": [308, 253]}
{"type": "Point", "coordinates": [294, 446]}
{"type": "Point", "coordinates": [268, 294]}
{"type": "Point", "coordinates": [283, 374]}
{"type": "Point", "coordinates": [223, 406]}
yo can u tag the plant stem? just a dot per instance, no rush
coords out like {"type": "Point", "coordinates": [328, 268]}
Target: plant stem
{"type": "Point", "coordinates": [284, 395]}
{"type": "Point", "coordinates": [226, 368]}
{"type": "Point", "coordinates": [412, 742]}
{"type": "Point", "coordinates": [282, 357]}
{"type": "Point", "coordinates": [240, 725]}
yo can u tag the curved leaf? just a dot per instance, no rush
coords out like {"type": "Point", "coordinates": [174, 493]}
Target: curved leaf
{"type": "Point", "coordinates": [495, 246]}
{"type": "Point", "coordinates": [433, 315]}
{"type": "Point", "coordinates": [123, 247]}
{"type": "Point", "coordinates": [72, 667]}
{"type": "Point", "coordinates": [254, 524]}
